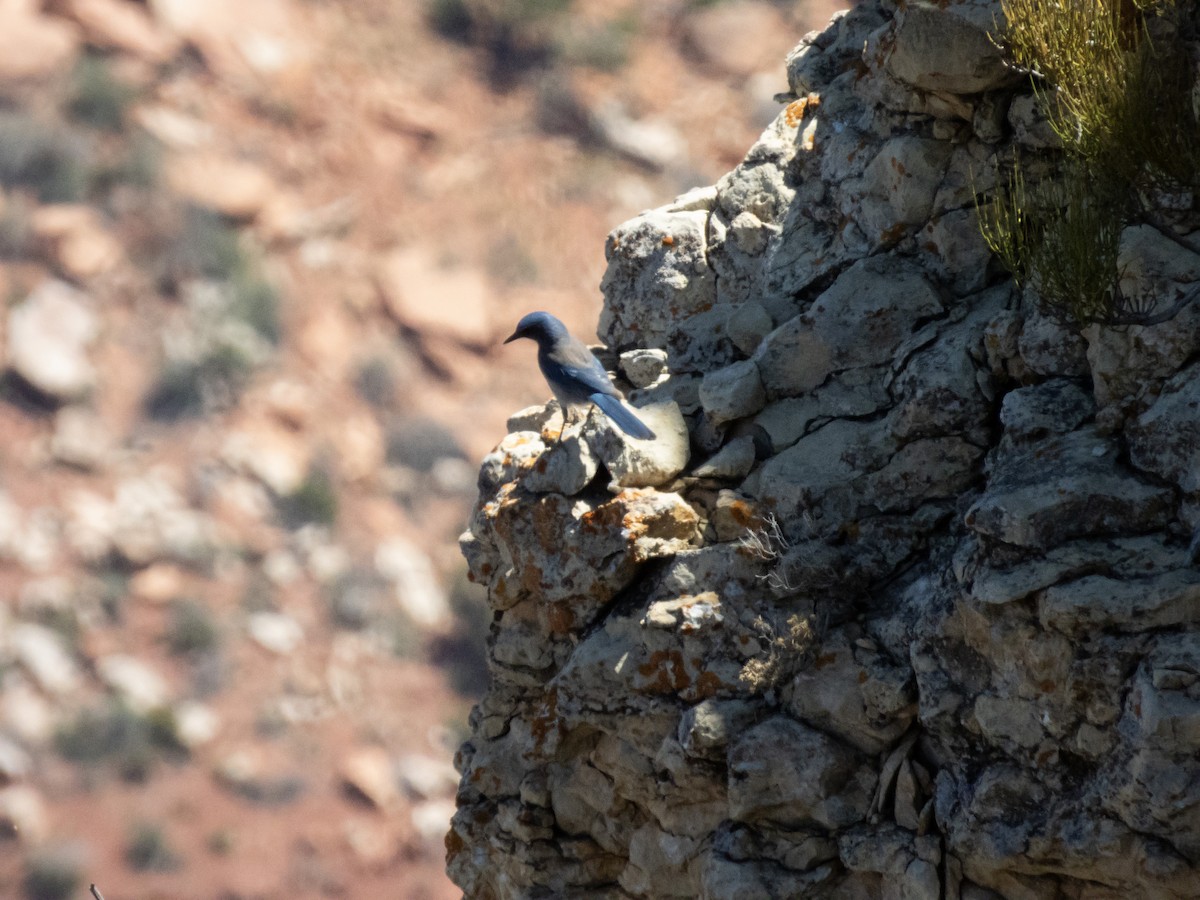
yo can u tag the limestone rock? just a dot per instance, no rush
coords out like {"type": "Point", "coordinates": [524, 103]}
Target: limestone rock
{"type": "Point", "coordinates": [1073, 488]}
{"type": "Point", "coordinates": [566, 467]}
{"type": "Point", "coordinates": [656, 263]}
{"type": "Point", "coordinates": [1165, 439]}
{"type": "Point", "coordinates": [733, 392]}
{"type": "Point", "coordinates": [1052, 407]}
{"type": "Point", "coordinates": [650, 463]}
{"type": "Point", "coordinates": [832, 789]}
{"type": "Point", "coordinates": [922, 621]}
{"type": "Point", "coordinates": [859, 321]}
{"type": "Point", "coordinates": [854, 694]}
{"type": "Point", "coordinates": [948, 49]}
{"type": "Point", "coordinates": [732, 462]}
{"type": "Point", "coordinates": [643, 367]}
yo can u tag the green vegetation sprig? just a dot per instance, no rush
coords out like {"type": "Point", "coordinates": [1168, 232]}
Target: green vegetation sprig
{"type": "Point", "coordinates": [1116, 82]}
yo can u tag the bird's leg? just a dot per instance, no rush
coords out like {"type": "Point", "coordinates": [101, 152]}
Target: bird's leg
{"type": "Point", "coordinates": [566, 414]}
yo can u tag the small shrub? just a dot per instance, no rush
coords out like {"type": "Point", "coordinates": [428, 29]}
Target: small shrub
{"type": "Point", "coordinates": [255, 301]}
{"type": "Point", "coordinates": [376, 383]}
{"type": "Point", "coordinates": [137, 162]}
{"type": "Point", "coordinates": [147, 850]}
{"type": "Point", "coordinates": [191, 629]}
{"type": "Point", "coordinates": [52, 874]}
{"type": "Point", "coordinates": [603, 46]}
{"type": "Point", "coordinates": [187, 389]}
{"type": "Point", "coordinates": [45, 157]}
{"type": "Point", "coordinates": [516, 35]}
{"type": "Point", "coordinates": [419, 443]}
{"type": "Point", "coordinates": [358, 599]}
{"type": "Point", "coordinates": [463, 653]}
{"type": "Point", "coordinates": [1116, 83]}
{"type": "Point", "coordinates": [97, 97]}
{"type": "Point", "coordinates": [199, 244]}
{"type": "Point", "coordinates": [117, 736]}
{"type": "Point", "coordinates": [221, 842]}
{"type": "Point", "coordinates": [314, 502]}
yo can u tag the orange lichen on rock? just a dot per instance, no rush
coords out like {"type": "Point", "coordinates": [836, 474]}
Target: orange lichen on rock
{"type": "Point", "coordinates": [795, 111]}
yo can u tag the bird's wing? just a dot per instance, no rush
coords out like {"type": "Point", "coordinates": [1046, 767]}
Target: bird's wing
{"type": "Point", "coordinates": [573, 361]}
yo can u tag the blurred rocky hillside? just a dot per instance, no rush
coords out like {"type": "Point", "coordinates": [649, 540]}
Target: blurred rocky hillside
{"type": "Point", "coordinates": [256, 258]}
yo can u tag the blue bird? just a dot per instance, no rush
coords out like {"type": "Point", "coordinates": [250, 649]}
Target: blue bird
{"type": "Point", "coordinates": [574, 374]}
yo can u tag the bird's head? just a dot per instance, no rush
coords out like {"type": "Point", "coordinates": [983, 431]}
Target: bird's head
{"type": "Point", "coordinates": [538, 326]}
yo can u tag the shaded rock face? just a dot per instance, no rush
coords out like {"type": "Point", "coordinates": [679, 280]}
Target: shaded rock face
{"type": "Point", "coordinates": [906, 604]}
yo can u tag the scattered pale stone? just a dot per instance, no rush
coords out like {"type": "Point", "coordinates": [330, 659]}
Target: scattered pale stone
{"type": "Point", "coordinates": [77, 239]}
{"type": "Point", "coordinates": [23, 815]}
{"type": "Point", "coordinates": [370, 772]}
{"type": "Point", "coordinates": [43, 655]}
{"type": "Point", "coordinates": [146, 521]}
{"type": "Point", "coordinates": [730, 37]}
{"type": "Point", "coordinates": [249, 774]}
{"type": "Point", "coordinates": [427, 777]}
{"type": "Point", "coordinates": [120, 25]}
{"type": "Point", "coordinates": [282, 568]}
{"type": "Point", "coordinates": [231, 187]}
{"type": "Point", "coordinates": [49, 334]}
{"type": "Point", "coordinates": [276, 632]}
{"type": "Point", "coordinates": [157, 583]}
{"type": "Point", "coordinates": [278, 456]}
{"type": "Point", "coordinates": [431, 819]}
{"type": "Point", "coordinates": [175, 129]}
{"type": "Point", "coordinates": [644, 367]}
{"type": "Point", "coordinates": [417, 589]}
{"type": "Point", "coordinates": [372, 842]}
{"type": "Point", "coordinates": [138, 685]}
{"type": "Point", "coordinates": [26, 713]}
{"type": "Point", "coordinates": [196, 724]}
{"type": "Point", "coordinates": [655, 143]}
{"type": "Point", "coordinates": [15, 762]}
{"type": "Point", "coordinates": [425, 296]}
{"type": "Point", "coordinates": [80, 438]}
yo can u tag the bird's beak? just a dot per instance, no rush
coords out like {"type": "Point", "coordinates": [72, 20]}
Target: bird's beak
{"type": "Point", "coordinates": [512, 337]}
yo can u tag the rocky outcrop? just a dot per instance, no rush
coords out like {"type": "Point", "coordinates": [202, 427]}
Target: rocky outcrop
{"type": "Point", "coordinates": [915, 613]}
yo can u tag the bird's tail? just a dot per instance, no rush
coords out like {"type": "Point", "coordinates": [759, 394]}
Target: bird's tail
{"type": "Point", "coordinates": [627, 421]}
